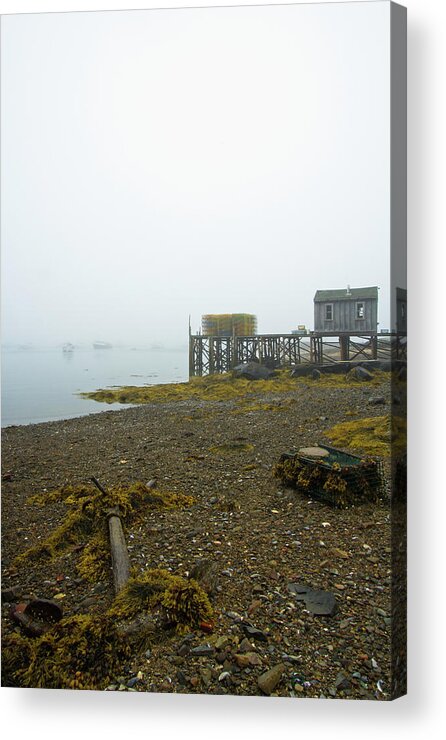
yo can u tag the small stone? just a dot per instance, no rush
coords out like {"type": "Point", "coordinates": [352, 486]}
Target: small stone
{"type": "Point", "coordinates": [376, 401]}
{"type": "Point", "coordinates": [245, 646]}
{"type": "Point", "coordinates": [181, 678]}
{"type": "Point", "coordinates": [254, 659]}
{"type": "Point", "coordinates": [254, 633]}
{"type": "Point", "coordinates": [203, 650]}
{"type": "Point", "coordinates": [206, 676]}
{"type": "Point", "coordinates": [268, 681]}
{"type": "Point", "coordinates": [254, 606]}
{"type": "Point", "coordinates": [242, 660]}
{"type": "Point", "coordinates": [342, 682]}
{"type": "Point", "coordinates": [222, 642]}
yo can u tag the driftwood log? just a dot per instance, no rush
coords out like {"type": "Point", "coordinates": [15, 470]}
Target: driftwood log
{"type": "Point", "coordinates": [118, 547]}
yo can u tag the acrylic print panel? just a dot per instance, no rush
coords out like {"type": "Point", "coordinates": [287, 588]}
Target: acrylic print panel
{"type": "Point", "coordinates": [204, 351]}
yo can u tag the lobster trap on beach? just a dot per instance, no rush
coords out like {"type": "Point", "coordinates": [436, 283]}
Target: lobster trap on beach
{"type": "Point", "coordinates": [332, 475]}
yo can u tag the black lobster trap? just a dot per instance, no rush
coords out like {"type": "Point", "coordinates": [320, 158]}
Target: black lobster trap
{"type": "Point", "coordinates": [332, 475]}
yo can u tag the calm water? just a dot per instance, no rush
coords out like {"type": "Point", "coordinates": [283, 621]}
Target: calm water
{"type": "Point", "coordinates": [41, 384]}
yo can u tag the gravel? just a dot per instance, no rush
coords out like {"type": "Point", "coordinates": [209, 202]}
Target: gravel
{"type": "Point", "coordinates": [259, 536]}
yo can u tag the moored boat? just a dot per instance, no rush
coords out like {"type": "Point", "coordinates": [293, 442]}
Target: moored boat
{"type": "Point", "coordinates": [102, 345]}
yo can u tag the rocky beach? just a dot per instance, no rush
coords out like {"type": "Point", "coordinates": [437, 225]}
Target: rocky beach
{"type": "Point", "coordinates": [243, 535]}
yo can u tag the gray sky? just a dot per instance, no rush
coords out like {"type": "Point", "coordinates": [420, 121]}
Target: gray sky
{"type": "Point", "coordinates": [157, 164]}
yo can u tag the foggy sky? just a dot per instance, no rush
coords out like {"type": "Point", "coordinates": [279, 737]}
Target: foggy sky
{"type": "Point", "coordinates": [157, 164]}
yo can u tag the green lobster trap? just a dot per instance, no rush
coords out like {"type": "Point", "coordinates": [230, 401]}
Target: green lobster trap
{"type": "Point", "coordinates": [332, 475]}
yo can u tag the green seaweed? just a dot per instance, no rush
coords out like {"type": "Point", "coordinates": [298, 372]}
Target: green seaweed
{"type": "Point", "coordinates": [376, 435]}
{"type": "Point", "coordinates": [222, 387]}
{"type": "Point", "coordinates": [87, 652]}
{"type": "Point", "coordinates": [86, 521]}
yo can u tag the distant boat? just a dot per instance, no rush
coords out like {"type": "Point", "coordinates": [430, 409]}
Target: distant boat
{"type": "Point", "coordinates": [102, 345]}
{"type": "Point", "coordinates": [68, 347]}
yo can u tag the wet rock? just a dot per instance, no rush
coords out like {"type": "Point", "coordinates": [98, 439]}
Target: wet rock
{"type": "Point", "coordinates": [268, 681]}
{"type": "Point", "coordinates": [360, 373]}
{"type": "Point", "coordinates": [253, 371]}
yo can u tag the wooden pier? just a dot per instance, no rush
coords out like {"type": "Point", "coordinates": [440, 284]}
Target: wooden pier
{"type": "Point", "coordinates": [215, 354]}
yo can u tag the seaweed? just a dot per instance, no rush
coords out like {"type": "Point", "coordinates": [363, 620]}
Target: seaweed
{"type": "Point", "coordinates": [86, 651]}
{"type": "Point", "coordinates": [183, 601]}
{"type": "Point", "coordinates": [86, 521]}
{"type": "Point", "coordinates": [376, 435]}
{"type": "Point", "coordinates": [222, 387]}
{"type": "Point", "coordinates": [80, 652]}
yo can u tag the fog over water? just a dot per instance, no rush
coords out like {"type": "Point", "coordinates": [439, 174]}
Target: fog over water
{"type": "Point", "coordinates": [161, 164]}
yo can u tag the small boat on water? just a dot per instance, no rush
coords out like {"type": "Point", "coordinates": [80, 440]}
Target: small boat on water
{"type": "Point", "coordinates": [68, 347]}
{"type": "Point", "coordinates": [102, 345]}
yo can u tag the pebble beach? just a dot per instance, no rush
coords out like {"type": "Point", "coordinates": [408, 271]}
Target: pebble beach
{"type": "Point", "coordinates": [256, 536]}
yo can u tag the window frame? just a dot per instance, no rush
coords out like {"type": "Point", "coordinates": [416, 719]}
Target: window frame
{"type": "Point", "coordinates": [357, 310]}
{"type": "Point", "coordinates": [330, 306]}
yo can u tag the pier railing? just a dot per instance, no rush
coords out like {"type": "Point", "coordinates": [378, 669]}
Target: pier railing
{"type": "Point", "coordinates": [214, 354]}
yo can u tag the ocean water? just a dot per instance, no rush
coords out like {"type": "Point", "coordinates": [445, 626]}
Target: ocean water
{"type": "Point", "coordinates": [42, 384]}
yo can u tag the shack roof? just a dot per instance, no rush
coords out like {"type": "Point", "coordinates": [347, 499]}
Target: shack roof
{"type": "Point", "coordinates": [346, 294]}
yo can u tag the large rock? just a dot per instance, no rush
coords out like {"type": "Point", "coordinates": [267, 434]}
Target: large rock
{"type": "Point", "coordinates": [253, 371]}
{"type": "Point", "coordinates": [301, 371]}
{"type": "Point", "coordinates": [360, 373]}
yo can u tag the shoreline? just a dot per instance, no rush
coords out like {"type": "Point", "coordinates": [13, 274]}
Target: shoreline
{"type": "Point", "coordinates": [259, 535]}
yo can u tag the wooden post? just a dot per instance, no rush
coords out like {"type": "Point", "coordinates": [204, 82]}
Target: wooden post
{"type": "Point", "coordinates": [191, 357]}
{"type": "Point", "coordinates": [232, 350]}
{"type": "Point", "coordinates": [344, 346]}
{"type": "Point", "coordinates": [119, 553]}
{"type": "Point", "coordinates": [211, 355]}
{"type": "Point", "coordinates": [118, 547]}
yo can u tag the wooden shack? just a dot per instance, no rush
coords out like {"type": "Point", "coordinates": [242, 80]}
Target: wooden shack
{"type": "Point", "coordinates": [353, 310]}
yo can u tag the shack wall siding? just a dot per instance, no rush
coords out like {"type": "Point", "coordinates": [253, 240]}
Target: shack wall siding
{"type": "Point", "coordinates": [344, 316]}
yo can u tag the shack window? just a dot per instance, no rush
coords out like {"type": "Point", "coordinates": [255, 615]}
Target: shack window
{"type": "Point", "coordinates": [328, 312]}
{"type": "Point", "coordinates": [403, 310]}
{"type": "Point", "coordinates": [359, 310]}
